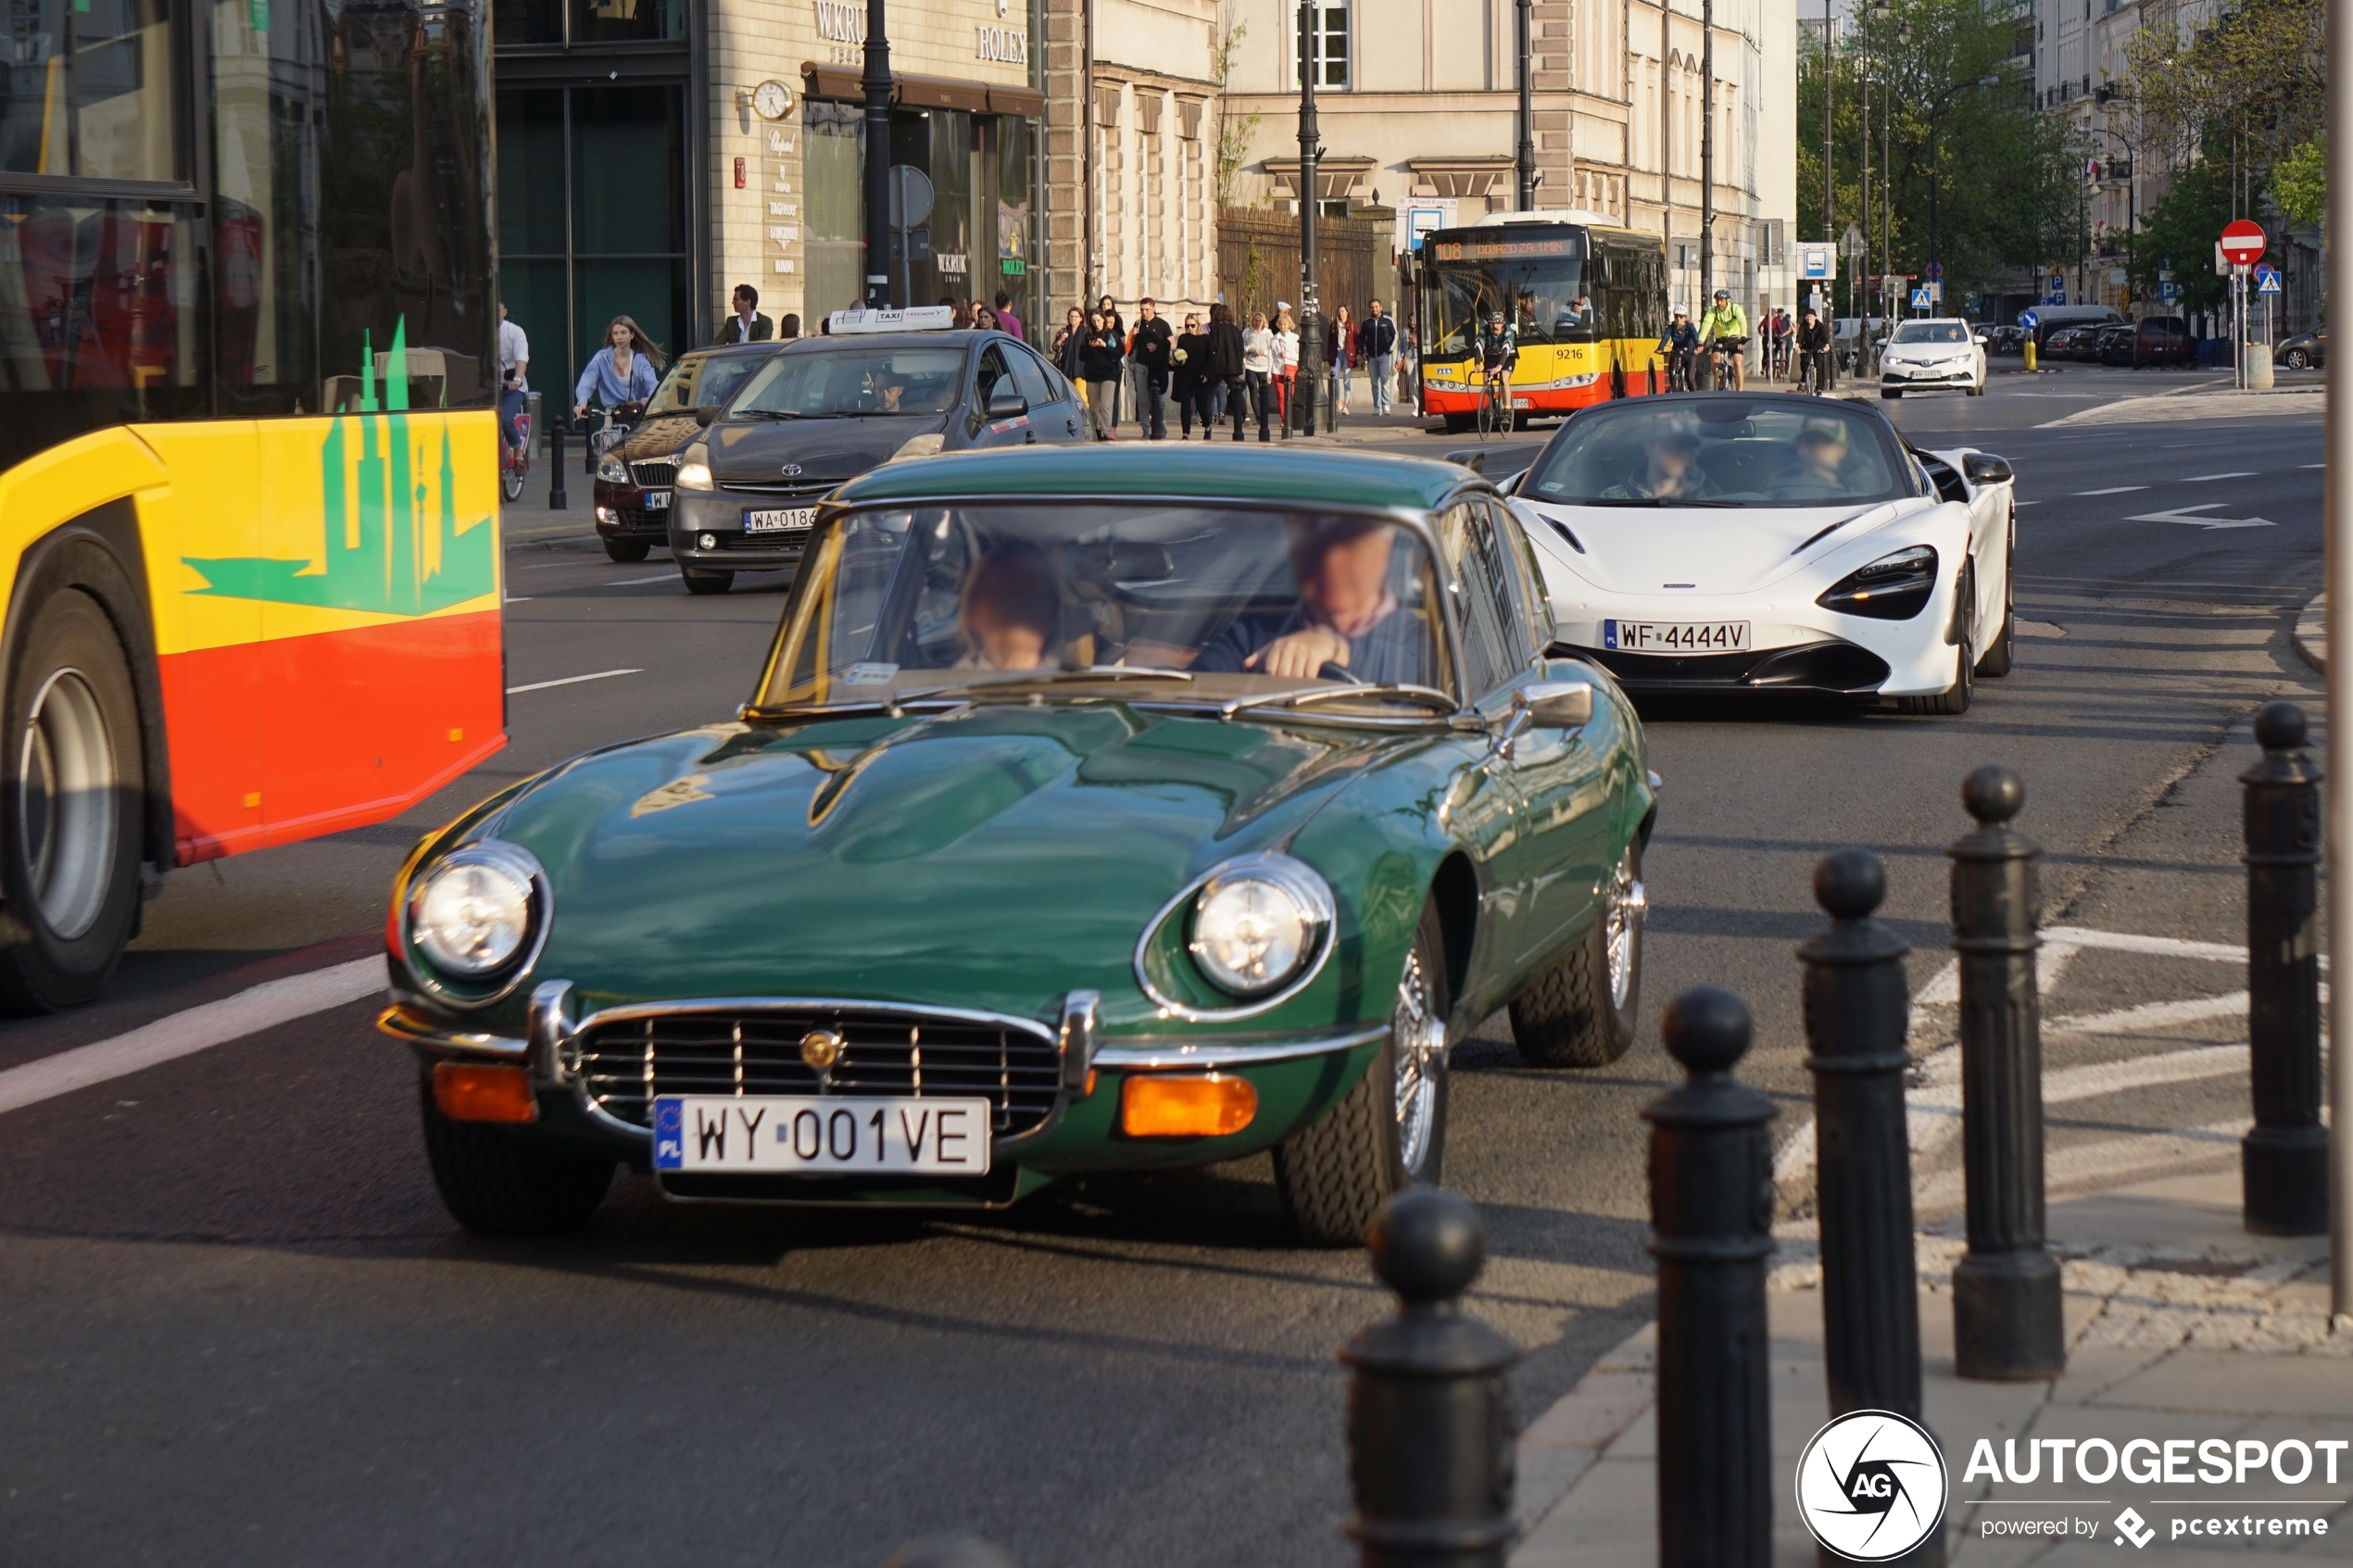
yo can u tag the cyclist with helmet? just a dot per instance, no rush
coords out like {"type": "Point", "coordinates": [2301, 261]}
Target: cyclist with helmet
{"type": "Point", "coordinates": [1725, 331]}
{"type": "Point", "coordinates": [1498, 348]}
{"type": "Point", "coordinates": [1680, 342]}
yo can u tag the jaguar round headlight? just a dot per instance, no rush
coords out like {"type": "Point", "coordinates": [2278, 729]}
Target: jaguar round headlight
{"type": "Point", "coordinates": [1258, 923]}
{"type": "Point", "coordinates": [473, 912]}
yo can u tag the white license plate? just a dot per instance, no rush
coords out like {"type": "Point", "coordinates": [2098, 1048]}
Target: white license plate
{"type": "Point", "coordinates": [657, 501]}
{"type": "Point", "coordinates": [789, 519]}
{"type": "Point", "coordinates": [833, 1134]}
{"type": "Point", "coordinates": [1676, 636]}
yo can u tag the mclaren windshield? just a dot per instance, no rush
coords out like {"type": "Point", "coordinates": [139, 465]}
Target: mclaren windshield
{"type": "Point", "coordinates": [1182, 605]}
{"type": "Point", "coordinates": [1536, 280]}
{"type": "Point", "coordinates": [1720, 452]}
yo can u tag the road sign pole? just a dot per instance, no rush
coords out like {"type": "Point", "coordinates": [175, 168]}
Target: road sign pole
{"type": "Point", "coordinates": [2338, 495]}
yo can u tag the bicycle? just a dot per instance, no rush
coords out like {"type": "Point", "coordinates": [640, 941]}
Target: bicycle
{"type": "Point", "coordinates": [1809, 373]}
{"type": "Point", "coordinates": [1496, 405]}
{"type": "Point", "coordinates": [515, 463]}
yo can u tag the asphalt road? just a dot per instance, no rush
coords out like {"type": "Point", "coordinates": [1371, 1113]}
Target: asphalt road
{"type": "Point", "coordinates": [235, 1324]}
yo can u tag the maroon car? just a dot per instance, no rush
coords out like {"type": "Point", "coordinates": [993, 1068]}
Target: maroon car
{"type": "Point", "coordinates": [632, 486]}
{"type": "Point", "coordinates": [2164, 339]}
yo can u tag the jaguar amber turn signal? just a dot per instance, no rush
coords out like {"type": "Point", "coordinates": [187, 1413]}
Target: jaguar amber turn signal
{"type": "Point", "coordinates": [1166, 1106]}
{"type": "Point", "coordinates": [469, 1093]}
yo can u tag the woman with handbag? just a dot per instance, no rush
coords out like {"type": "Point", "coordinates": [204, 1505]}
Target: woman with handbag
{"type": "Point", "coordinates": [1258, 372]}
{"type": "Point", "coordinates": [1340, 355]}
{"type": "Point", "coordinates": [1286, 364]}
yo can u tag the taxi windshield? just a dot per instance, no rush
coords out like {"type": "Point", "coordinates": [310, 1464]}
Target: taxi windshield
{"type": "Point", "coordinates": [1161, 604]}
{"type": "Point", "coordinates": [1931, 331]}
{"type": "Point", "coordinates": [851, 382]}
{"type": "Point", "coordinates": [700, 381]}
{"type": "Point", "coordinates": [1718, 452]}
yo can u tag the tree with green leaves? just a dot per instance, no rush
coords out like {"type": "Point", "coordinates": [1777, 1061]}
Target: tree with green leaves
{"type": "Point", "coordinates": [1962, 145]}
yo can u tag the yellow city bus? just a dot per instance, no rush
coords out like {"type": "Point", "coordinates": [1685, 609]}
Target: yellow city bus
{"type": "Point", "coordinates": [1588, 301]}
{"type": "Point", "coordinates": [248, 458]}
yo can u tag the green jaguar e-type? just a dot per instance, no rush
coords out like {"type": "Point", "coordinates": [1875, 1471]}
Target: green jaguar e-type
{"type": "Point", "coordinates": [1097, 809]}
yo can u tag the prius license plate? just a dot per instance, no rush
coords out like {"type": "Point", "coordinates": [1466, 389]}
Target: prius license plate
{"type": "Point", "coordinates": [833, 1134]}
{"type": "Point", "coordinates": [1676, 636]}
{"type": "Point", "coordinates": [788, 519]}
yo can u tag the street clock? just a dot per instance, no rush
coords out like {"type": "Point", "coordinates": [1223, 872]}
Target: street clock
{"type": "Point", "coordinates": [771, 100]}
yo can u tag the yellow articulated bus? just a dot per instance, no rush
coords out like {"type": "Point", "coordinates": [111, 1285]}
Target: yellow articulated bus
{"type": "Point", "coordinates": [250, 566]}
{"type": "Point", "coordinates": [1586, 299]}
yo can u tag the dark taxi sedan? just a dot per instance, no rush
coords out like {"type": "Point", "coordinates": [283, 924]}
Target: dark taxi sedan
{"type": "Point", "coordinates": [825, 409]}
{"type": "Point", "coordinates": [633, 483]}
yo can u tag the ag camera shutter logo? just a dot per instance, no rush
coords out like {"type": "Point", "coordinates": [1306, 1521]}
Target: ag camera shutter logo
{"type": "Point", "coordinates": [1871, 1485]}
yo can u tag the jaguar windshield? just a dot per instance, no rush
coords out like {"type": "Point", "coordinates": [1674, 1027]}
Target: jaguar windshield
{"type": "Point", "coordinates": [849, 383]}
{"type": "Point", "coordinates": [1719, 452]}
{"type": "Point", "coordinates": [1182, 604]}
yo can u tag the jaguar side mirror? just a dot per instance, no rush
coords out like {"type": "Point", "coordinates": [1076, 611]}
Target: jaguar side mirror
{"type": "Point", "coordinates": [1983, 467]}
{"type": "Point", "coordinates": [1556, 705]}
{"type": "Point", "coordinates": [1007, 405]}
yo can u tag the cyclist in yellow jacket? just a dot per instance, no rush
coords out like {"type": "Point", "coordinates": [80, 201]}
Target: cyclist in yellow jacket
{"type": "Point", "coordinates": [1724, 329]}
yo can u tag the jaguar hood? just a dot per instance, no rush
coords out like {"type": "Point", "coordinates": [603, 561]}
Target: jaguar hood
{"type": "Point", "coordinates": [988, 860]}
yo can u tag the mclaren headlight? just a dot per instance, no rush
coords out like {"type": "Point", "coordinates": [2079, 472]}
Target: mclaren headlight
{"type": "Point", "coordinates": [473, 912]}
{"type": "Point", "coordinates": [1258, 923]}
{"type": "Point", "coordinates": [694, 468]}
{"type": "Point", "coordinates": [610, 470]}
{"type": "Point", "coordinates": [1894, 587]}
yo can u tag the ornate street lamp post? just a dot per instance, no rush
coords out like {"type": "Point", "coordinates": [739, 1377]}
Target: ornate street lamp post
{"type": "Point", "coordinates": [876, 81]}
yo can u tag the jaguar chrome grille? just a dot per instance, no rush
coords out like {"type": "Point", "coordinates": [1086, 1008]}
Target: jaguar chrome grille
{"type": "Point", "coordinates": [658, 474]}
{"type": "Point", "coordinates": [625, 1063]}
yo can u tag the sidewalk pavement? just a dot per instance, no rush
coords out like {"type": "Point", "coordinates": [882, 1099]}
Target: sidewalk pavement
{"type": "Point", "coordinates": [2208, 1333]}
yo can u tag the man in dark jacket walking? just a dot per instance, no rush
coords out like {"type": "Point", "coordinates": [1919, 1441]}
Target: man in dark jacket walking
{"type": "Point", "coordinates": [1226, 364]}
{"type": "Point", "coordinates": [1377, 341]}
{"type": "Point", "coordinates": [1148, 349]}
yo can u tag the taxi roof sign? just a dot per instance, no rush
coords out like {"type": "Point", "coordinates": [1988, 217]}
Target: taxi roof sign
{"type": "Point", "coordinates": [920, 319]}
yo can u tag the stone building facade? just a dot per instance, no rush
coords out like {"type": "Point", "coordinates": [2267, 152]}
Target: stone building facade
{"type": "Point", "coordinates": [1418, 105]}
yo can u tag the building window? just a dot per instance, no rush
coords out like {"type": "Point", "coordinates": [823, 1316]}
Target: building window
{"type": "Point", "coordinates": [1327, 44]}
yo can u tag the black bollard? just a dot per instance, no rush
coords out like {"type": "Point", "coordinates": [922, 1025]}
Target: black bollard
{"type": "Point", "coordinates": [2006, 1318]}
{"type": "Point", "coordinates": [2286, 1157]}
{"type": "Point", "coordinates": [1856, 1010]}
{"type": "Point", "coordinates": [1711, 1175]}
{"type": "Point", "coordinates": [556, 501]}
{"type": "Point", "coordinates": [1429, 1429]}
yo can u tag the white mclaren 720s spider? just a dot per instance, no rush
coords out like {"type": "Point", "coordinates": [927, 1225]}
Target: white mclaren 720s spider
{"type": "Point", "coordinates": [1732, 543]}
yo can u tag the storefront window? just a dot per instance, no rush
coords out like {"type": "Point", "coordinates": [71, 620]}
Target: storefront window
{"type": "Point", "coordinates": [627, 21]}
{"type": "Point", "coordinates": [1010, 261]}
{"type": "Point", "coordinates": [832, 136]}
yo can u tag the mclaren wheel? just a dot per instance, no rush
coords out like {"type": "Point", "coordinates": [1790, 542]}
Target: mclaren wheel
{"type": "Point", "coordinates": [70, 795]}
{"type": "Point", "coordinates": [2001, 654]}
{"type": "Point", "coordinates": [1581, 1011]}
{"type": "Point", "coordinates": [1387, 1134]}
{"type": "Point", "coordinates": [1955, 698]}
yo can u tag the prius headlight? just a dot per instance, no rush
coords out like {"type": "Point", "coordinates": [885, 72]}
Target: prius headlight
{"type": "Point", "coordinates": [1894, 587]}
{"type": "Point", "coordinates": [473, 912]}
{"type": "Point", "coordinates": [694, 468]}
{"type": "Point", "coordinates": [1258, 923]}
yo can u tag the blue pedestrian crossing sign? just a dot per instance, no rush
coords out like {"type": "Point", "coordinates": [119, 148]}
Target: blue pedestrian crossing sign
{"type": "Point", "coordinates": [1920, 299]}
{"type": "Point", "coordinates": [2267, 280]}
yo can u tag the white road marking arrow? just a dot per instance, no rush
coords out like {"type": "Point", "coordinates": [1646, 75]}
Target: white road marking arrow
{"type": "Point", "coordinates": [2188, 515]}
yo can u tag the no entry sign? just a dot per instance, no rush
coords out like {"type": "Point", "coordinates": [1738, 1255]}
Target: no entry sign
{"type": "Point", "coordinates": [2243, 243]}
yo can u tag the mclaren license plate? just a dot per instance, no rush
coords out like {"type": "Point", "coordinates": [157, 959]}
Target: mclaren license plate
{"type": "Point", "coordinates": [1676, 636]}
{"type": "Point", "coordinates": [829, 1136]}
{"type": "Point", "coordinates": [786, 519]}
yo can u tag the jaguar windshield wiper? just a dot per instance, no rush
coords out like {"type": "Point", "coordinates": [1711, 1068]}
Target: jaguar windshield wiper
{"type": "Point", "coordinates": [1428, 697]}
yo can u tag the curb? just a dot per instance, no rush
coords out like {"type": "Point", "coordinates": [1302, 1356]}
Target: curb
{"type": "Point", "coordinates": [1560, 1446]}
{"type": "Point", "coordinates": [2312, 635]}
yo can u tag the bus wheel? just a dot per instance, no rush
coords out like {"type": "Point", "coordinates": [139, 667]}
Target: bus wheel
{"type": "Point", "coordinates": [1457, 423]}
{"type": "Point", "coordinates": [69, 808]}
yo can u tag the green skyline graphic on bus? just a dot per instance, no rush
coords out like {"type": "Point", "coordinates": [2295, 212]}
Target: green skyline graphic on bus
{"type": "Point", "coordinates": [385, 573]}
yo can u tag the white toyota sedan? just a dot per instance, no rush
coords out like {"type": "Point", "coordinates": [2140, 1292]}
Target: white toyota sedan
{"type": "Point", "coordinates": [1738, 543]}
{"type": "Point", "coordinates": [1932, 354]}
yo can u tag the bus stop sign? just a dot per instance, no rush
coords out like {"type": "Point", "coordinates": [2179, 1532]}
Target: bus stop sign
{"type": "Point", "coordinates": [2243, 243]}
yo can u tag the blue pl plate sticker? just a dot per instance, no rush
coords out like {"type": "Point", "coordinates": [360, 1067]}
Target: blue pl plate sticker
{"type": "Point", "coordinates": [1609, 633]}
{"type": "Point", "coordinates": [670, 1136]}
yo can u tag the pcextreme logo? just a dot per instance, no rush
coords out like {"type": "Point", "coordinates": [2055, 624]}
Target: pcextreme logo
{"type": "Point", "coordinates": [389, 541]}
{"type": "Point", "coordinates": [1871, 1485]}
